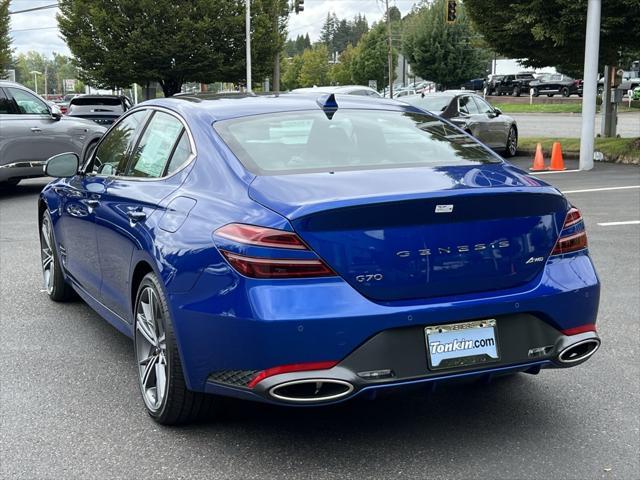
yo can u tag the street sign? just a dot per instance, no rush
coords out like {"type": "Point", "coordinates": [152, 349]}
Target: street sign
{"type": "Point", "coordinates": [69, 84]}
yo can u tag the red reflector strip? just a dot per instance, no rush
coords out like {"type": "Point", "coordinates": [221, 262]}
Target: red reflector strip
{"type": "Point", "coordinates": [256, 267]}
{"type": "Point", "coordinates": [572, 243]}
{"type": "Point", "coordinates": [295, 367]}
{"type": "Point", "coordinates": [573, 217]}
{"type": "Point", "coordinates": [262, 236]}
{"type": "Point", "coordinates": [589, 327]}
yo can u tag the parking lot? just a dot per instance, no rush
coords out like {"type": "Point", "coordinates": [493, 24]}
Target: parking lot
{"type": "Point", "coordinates": [70, 406]}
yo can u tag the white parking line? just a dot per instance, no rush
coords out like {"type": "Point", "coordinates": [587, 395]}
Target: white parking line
{"type": "Point", "coordinates": [613, 224]}
{"type": "Point", "coordinates": [548, 172]}
{"type": "Point", "coordinates": [601, 189]}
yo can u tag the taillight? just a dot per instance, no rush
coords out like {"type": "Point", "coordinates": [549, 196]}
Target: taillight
{"type": "Point", "coordinates": [269, 266]}
{"type": "Point", "coordinates": [261, 236]}
{"type": "Point", "coordinates": [573, 240]}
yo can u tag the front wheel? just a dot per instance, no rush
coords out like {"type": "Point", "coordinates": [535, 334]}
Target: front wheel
{"type": "Point", "coordinates": [565, 92]}
{"type": "Point", "coordinates": [511, 148]}
{"type": "Point", "coordinates": [53, 277]}
{"type": "Point", "coordinates": [162, 383]}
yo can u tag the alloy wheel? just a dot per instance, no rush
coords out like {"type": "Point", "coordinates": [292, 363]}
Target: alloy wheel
{"type": "Point", "coordinates": [46, 254]}
{"type": "Point", "coordinates": [512, 142]}
{"type": "Point", "coordinates": [151, 349]}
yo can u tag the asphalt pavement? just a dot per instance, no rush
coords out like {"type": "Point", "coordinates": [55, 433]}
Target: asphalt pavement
{"type": "Point", "coordinates": [70, 406]}
{"type": "Point", "coordinates": [570, 124]}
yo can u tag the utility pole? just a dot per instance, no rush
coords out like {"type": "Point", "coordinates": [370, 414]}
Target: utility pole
{"type": "Point", "coordinates": [389, 51]}
{"type": "Point", "coordinates": [247, 22]}
{"type": "Point", "coordinates": [46, 74]}
{"type": "Point", "coordinates": [590, 87]}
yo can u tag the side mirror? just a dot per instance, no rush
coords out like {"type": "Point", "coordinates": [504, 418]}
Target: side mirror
{"type": "Point", "coordinates": [55, 111]}
{"type": "Point", "coordinates": [62, 165]}
{"type": "Point", "coordinates": [498, 111]}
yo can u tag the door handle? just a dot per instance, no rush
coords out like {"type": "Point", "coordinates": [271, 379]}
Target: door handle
{"type": "Point", "coordinates": [36, 129]}
{"type": "Point", "coordinates": [136, 215]}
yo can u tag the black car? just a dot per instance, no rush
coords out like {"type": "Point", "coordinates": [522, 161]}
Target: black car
{"type": "Point", "coordinates": [102, 109]}
{"type": "Point", "coordinates": [556, 84]}
{"type": "Point", "coordinates": [514, 84]}
{"type": "Point", "coordinates": [476, 84]}
{"type": "Point", "coordinates": [474, 115]}
{"type": "Point", "coordinates": [491, 82]}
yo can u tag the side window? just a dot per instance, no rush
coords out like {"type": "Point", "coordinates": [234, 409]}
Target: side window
{"type": "Point", "coordinates": [483, 107]}
{"type": "Point", "coordinates": [27, 102]}
{"type": "Point", "coordinates": [181, 154]}
{"type": "Point", "coordinates": [5, 104]}
{"type": "Point", "coordinates": [466, 105]}
{"type": "Point", "coordinates": [154, 149]}
{"type": "Point", "coordinates": [112, 153]}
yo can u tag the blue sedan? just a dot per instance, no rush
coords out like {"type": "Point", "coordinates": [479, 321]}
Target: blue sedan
{"type": "Point", "coordinates": [304, 250]}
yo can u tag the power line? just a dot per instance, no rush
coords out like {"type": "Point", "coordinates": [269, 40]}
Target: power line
{"type": "Point", "coordinates": [43, 7]}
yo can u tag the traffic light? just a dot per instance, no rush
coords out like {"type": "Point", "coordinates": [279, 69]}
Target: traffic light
{"type": "Point", "coordinates": [451, 11]}
{"type": "Point", "coordinates": [298, 6]}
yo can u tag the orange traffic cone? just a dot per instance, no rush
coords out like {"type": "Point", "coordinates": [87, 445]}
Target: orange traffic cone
{"type": "Point", "coordinates": [557, 163]}
{"type": "Point", "coordinates": [538, 160]}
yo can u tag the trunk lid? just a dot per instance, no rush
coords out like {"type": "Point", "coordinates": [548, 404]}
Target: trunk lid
{"type": "Point", "coordinates": [402, 234]}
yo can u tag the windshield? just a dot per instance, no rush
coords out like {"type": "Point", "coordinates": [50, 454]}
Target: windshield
{"type": "Point", "coordinates": [112, 102]}
{"type": "Point", "coordinates": [435, 103]}
{"type": "Point", "coordinates": [298, 142]}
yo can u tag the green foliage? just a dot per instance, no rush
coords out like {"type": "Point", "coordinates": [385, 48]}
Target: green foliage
{"type": "Point", "coordinates": [297, 46]}
{"type": "Point", "coordinates": [5, 39]}
{"type": "Point", "coordinates": [370, 60]}
{"type": "Point", "coordinates": [448, 54]}
{"type": "Point", "coordinates": [290, 72]}
{"type": "Point", "coordinates": [341, 72]}
{"type": "Point", "coordinates": [315, 68]}
{"type": "Point", "coordinates": [552, 32]}
{"type": "Point", "coordinates": [336, 33]}
{"type": "Point", "coordinates": [119, 42]}
{"type": "Point", "coordinates": [57, 69]}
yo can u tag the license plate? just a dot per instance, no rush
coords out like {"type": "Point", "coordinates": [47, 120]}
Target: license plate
{"type": "Point", "coordinates": [461, 344]}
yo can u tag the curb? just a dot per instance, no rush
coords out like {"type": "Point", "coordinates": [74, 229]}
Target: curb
{"type": "Point", "coordinates": [576, 156]}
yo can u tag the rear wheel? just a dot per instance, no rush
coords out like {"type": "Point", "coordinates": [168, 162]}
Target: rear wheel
{"type": "Point", "coordinates": [54, 283]}
{"type": "Point", "coordinates": [565, 92]}
{"type": "Point", "coordinates": [162, 383]}
{"type": "Point", "coordinates": [511, 148]}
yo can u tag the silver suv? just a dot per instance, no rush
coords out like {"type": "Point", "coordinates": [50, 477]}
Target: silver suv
{"type": "Point", "coordinates": [31, 131]}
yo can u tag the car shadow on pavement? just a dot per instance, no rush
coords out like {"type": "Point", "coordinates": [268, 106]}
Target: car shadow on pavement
{"type": "Point", "coordinates": [23, 189]}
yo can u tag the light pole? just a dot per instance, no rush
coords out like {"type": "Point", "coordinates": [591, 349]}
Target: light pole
{"type": "Point", "coordinates": [35, 78]}
{"type": "Point", "coordinates": [247, 22]}
{"type": "Point", "coordinates": [590, 87]}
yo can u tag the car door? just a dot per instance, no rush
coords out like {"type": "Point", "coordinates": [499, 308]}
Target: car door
{"type": "Point", "coordinates": [80, 198]}
{"type": "Point", "coordinates": [497, 125]}
{"type": "Point", "coordinates": [469, 119]}
{"type": "Point", "coordinates": [128, 211]}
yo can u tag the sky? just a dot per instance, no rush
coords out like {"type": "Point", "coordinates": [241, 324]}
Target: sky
{"type": "Point", "coordinates": [38, 30]}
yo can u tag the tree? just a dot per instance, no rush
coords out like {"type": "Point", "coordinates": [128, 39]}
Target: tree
{"type": "Point", "coordinates": [119, 42]}
{"type": "Point", "coordinates": [328, 31]}
{"type": "Point", "coordinates": [290, 69]}
{"type": "Point", "coordinates": [370, 60]}
{"type": "Point", "coordinates": [5, 39]}
{"type": "Point", "coordinates": [552, 32]}
{"type": "Point", "coordinates": [448, 54]}
{"type": "Point", "coordinates": [341, 72]}
{"type": "Point", "coordinates": [315, 67]}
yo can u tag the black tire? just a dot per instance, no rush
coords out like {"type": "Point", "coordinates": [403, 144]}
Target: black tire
{"type": "Point", "coordinates": [55, 285]}
{"type": "Point", "coordinates": [565, 92]}
{"type": "Point", "coordinates": [516, 91]}
{"type": "Point", "coordinates": [511, 147]}
{"type": "Point", "coordinates": [536, 92]}
{"type": "Point", "coordinates": [179, 405]}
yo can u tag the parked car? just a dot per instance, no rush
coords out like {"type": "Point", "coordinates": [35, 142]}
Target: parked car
{"type": "Point", "coordinates": [554, 84]}
{"type": "Point", "coordinates": [32, 130]}
{"type": "Point", "coordinates": [404, 92]}
{"type": "Point", "coordinates": [490, 84]}
{"type": "Point", "coordinates": [343, 90]}
{"type": "Point", "coordinates": [304, 250]}
{"type": "Point", "coordinates": [102, 109]}
{"type": "Point", "coordinates": [474, 115]}
{"type": "Point", "coordinates": [513, 84]}
{"type": "Point", "coordinates": [477, 84]}
{"type": "Point", "coordinates": [63, 102]}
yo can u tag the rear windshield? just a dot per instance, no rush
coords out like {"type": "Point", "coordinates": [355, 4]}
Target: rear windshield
{"type": "Point", "coordinates": [435, 103]}
{"type": "Point", "coordinates": [113, 102]}
{"type": "Point", "coordinates": [308, 141]}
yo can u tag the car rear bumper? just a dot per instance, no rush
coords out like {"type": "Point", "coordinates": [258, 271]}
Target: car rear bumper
{"type": "Point", "coordinates": [24, 169]}
{"type": "Point", "coordinates": [224, 343]}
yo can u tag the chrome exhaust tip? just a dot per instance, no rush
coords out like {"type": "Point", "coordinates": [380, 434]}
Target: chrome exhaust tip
{"type": "Point", "coordinates": [579, 351]}
{"type": "Point", "coordinates": [311, 390]}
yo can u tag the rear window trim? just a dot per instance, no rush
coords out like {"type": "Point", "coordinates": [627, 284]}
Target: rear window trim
{"type": "Point", "coordinates": [254, 169]}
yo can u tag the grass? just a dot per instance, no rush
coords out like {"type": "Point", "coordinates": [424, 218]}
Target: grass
{"type": "Point", "coordinates": [559, 107]}
{"type": "Point", "coordinates": [612, 148]}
